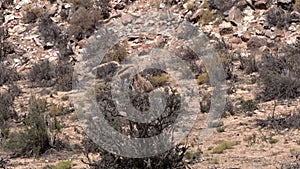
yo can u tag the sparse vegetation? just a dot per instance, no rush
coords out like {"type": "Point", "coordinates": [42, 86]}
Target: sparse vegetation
{"type": "Point", "coordinates": [248, 105]}
{"type": "Point", "coordinates": [202, 78]}
{"type": "Point", "coordinates": [273, 140]}
{"type": "Point", "coordinates": [214, 161]}
{"type": "Point", "coordinates": [41, 42]}
{"type": "Point", "coordinates": [170, 159]}
{"type": "Point", "coordinates": [65, 164]}
{"type": "Point", "coordinates": [160, 80]}
{"type": "Point", "coordinates": [220, 129]}
{"type": "Point", "coordinates": [291, 120]}
{"type": "Point", "coordinates": [193, 155]}
{"type": "Point", "coordinates": [118, 53]}
{"type": "Point", "coordinates": [296, 5]}
{"type": "Point", "coordinates": [86, 17]}
{"type": "Point", "coordinates": [83, 22]}
{"type": "Point", "coordinates": [189, 5]}
{"type": "Point", "coordinates": [7, 112]}
{"type": "Point", "coordinates": [207, 17]}
{"type": "Point", "coordinates": [251, 139]}
{"type": "Point", "coordinates": [56, 110]}
{"type": "Point", "coordinates": [223, 146]}
{"type": "Point", "coordinates": [248, 64]}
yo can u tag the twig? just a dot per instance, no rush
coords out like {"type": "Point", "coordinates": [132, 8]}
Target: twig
{"type": "Point", "coordinates": [110, 18]}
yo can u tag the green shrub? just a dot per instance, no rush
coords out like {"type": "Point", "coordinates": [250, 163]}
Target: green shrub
{"type": "Point", "coordinates": [189, 5]}
{"type": "Point", "coordinates": [273, 140]}
{"type": "Point", "coordinates": [56, 110]}
{"type": "Point", "coordinates": [220, 129]}
{"type": "Point", "coordinates": [160, 80]}
{"type": "Point", "coordinates": [223, 146]}
{"type": "Point", "coordinates": [251, 139]}
{"type": "Point", "coordinates": [193, 155]}
{"type": "Point", "coordinates": [35, 139]}
{"type": "Point", "coordinates": [248, 105]}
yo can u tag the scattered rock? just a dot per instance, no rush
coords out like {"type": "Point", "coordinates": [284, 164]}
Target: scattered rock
{"type": "Point", "coordinates": [235, 40]}
{"type": "Point", "coordinates": [225, 28]}
{"type": "Point", "coordinates": [255, 42]}
{"type": "Point", "coordinates": [292, 28]}
{"type": "Point", "coordinates": [295, 16]}
{"type": "Point", "coordinates": [8, 18]}
{"type": "Point", "coordinates": [126, 19]}
{"type": "Point", "coordinates": [245, 37]}
{"type": "Point", "coordinates": [261, 4]}
{"type": "Point", "coordinates": [52, 11]}
{"type": "Point", "coordinates": [19, 29]}
{"type": "Point", "coordinates": [235, 16]}
{"type": "Point", "coordinates": [270, 34]}
{"type": "Point", "coordinates": [195, 17]}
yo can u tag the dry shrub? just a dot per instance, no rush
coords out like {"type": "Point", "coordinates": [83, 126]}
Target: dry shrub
{"type": "Point", "coordinates": [46, 74]}
{"type": "Point", "coordinates": [7, 75]}
{"type": "Point", "coordinates": [86, 16]}
{"type": "Point", "coordinates": [83, 22]}
{"type": "Point", "coordinates": [140, 100]}
{"type": "Point", "coordinates": [280, 74]}
{"type": "Point", "coordinates": [42, 74]}
{"type": "Point", "coordinates": [278, 17]}
{"type": "Point", "coordinates": [49, 31]}
{"type": "Point", "coordinates": [32, 14]}
{"type": "Point", "coordinates": [64, 76]}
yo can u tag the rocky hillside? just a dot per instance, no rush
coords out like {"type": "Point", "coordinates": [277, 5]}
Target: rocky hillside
{"type": "Point", "coordinates": [51, 49]}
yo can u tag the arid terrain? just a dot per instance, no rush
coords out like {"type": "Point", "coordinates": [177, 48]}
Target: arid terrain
{"type": "Point", "coordinates": [51, 48]}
